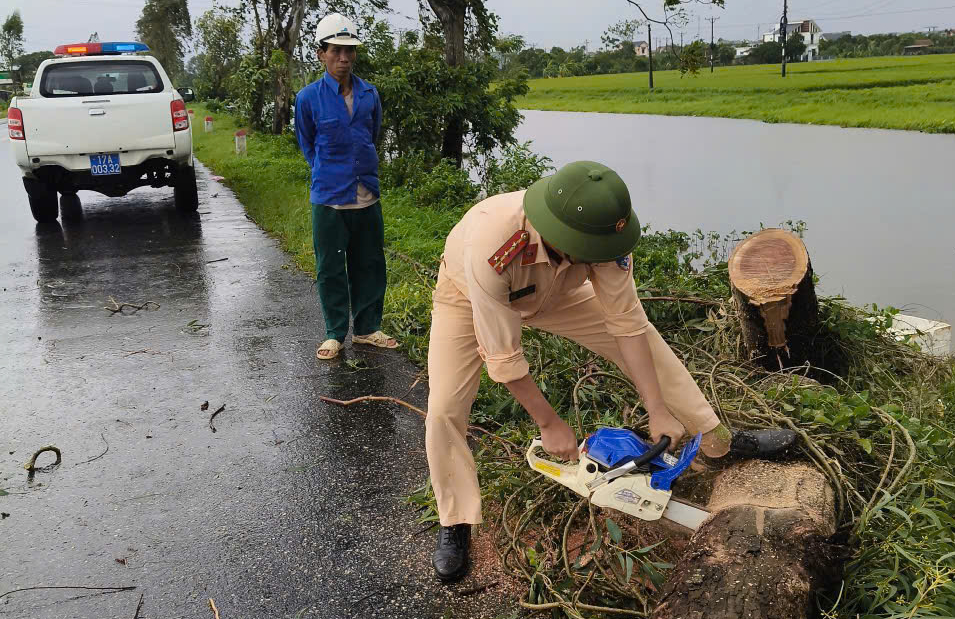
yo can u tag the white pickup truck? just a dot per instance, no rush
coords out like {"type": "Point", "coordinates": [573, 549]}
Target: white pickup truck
{"type": "Point", "coordinates": [104, 119]}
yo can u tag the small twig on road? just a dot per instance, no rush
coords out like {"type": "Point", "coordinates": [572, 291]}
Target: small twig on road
{"type": "Point", "coordinates": [101, 435]}
{"type": "Point", "coordinates": [216, 260]}
{"type": "Point", "coordinates": [374, 398]}
{"type": "Point", "coordinates": [139, 606]}
{"type": "Point", "coordinates": [118, 307]}
{"type": "Point", "coordinates": [218, 410]}
{"type": "Point", "coordinates": [107, 589]}
{"type": "Point", "coordinates": [31, 465]}
{"type": "Point", "coordinates": [212, 605]}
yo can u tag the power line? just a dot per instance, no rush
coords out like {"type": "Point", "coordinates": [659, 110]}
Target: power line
{"type": "Point", "coordinates": [848, 17]}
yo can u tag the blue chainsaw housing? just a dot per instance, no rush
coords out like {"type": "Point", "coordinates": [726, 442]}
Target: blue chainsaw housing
{"type": "Point", "coordinates": [611, 447]}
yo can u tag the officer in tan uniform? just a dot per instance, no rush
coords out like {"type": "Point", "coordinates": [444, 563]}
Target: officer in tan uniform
{"type": "Point", "coordinates": [555, 257]}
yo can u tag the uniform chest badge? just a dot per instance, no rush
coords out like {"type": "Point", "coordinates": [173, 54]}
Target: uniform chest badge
{"type": "Point", "coordinates": [624, 263]}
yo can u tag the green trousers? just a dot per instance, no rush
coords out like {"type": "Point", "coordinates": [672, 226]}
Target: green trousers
{"type": "Point", "coordinates": [350, 267]}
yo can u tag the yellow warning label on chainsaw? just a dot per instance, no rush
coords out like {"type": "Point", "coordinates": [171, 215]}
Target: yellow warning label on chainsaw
{"type": "Point", "coordinates": [548, 468]}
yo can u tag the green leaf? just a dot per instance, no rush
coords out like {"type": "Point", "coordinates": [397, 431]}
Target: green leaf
{"type": "Point", "coordinates": [615, 533]}
{"type": "Point", "coordinates": [3, 492]}
{"type": "Point", "coordinates": [629, 568]}
{"type": "Point", "coordinates": [866, 444]}
{"type": "Point", "coordinates": [787, 407]}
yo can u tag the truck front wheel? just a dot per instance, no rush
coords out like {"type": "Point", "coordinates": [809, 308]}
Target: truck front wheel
{"type": "Point", "coordinates": [185, 191]}
{"type": "Point", "coordinates": [43, 202]}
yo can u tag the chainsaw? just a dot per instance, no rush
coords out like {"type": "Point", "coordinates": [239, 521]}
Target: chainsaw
{"type": "Point", "coordinates": [619, 470]}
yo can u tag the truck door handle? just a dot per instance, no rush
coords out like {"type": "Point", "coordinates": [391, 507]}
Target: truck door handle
{"type": "Point", "coordinates": [97, 111]}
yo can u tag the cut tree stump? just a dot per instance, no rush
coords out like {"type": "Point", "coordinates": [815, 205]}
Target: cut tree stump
{"type": "Point", "coordinates": [763, 552]}
{"type": "Point", "coordinates": [771, 278]}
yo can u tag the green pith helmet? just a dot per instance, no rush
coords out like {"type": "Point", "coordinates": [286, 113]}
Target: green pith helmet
{"type": "Point", "coordinates": [584, 211]}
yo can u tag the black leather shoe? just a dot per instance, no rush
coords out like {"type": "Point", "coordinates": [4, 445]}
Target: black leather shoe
{"type": "Point", "coordinates": [450, 558]}
{"type": "Point", "coordinates": [764, 444]}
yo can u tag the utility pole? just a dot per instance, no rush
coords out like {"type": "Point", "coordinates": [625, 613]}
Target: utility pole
{"type": "Point", "coordinates": [650, 37]}
{"type": "Point", "coordinates": [783, 32]}
{"type": "Point", "coordinates": [712, 44]}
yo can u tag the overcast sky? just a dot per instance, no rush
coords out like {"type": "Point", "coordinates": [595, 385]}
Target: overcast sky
{"type": "Point", "coordinates": [544, 23]}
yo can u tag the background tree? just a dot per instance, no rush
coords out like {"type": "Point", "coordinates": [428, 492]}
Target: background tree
{"type": "Point", "coordinates": [692, 57]}
{"type": "Point", "coordinates": [468, 30]}
{"type": "Point", "coordinates": [164, 26]}
{"type": "Point", "coordinates": [619, 33]}
{"type": "Point", "coordinates": [769, 52]}
{"type": "Point", "coordinates": [11, 40]}
{"type": "Point", "coordinates": [219, 43]}
{"type": "Point", "coordinates": [795, 47]}
{"type": "Point", "coordinates": [29, 63]}
{"type": "Point", "coordinates": [725, 53]}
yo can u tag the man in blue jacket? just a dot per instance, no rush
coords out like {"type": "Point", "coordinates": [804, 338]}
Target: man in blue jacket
{"type": "Point", "coordinates": [337, 122]}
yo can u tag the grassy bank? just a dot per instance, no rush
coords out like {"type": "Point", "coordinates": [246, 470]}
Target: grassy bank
{"type": "Point", "coordinates": [916, 93]}
{"type": "Point", "coordinates": [883, 431]}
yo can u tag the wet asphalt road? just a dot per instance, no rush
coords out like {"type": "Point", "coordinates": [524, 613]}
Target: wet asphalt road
{"type": "Point", "coordinates": [291, 509]}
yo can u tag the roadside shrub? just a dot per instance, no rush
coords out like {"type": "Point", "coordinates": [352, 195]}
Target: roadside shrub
{"type": "Point", "coordinates": [441, 187]}
{"type": "Point", "coordinates": [517, 168]}
{"type": "Point", "coordinates": [444, 187]}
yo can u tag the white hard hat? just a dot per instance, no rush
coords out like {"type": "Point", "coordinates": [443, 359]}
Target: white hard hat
{"type": "Point", "coordinates": [337, 30]}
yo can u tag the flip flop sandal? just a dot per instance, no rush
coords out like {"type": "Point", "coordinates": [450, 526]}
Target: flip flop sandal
{"type": "Point", "coordinates": [331, 345]}
{"type": "Point", "coordinates": [377, 338]}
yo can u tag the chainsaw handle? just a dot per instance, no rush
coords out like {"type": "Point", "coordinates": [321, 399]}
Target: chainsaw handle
{"type": "Point", "coordinates": [563, 474]}
{"type": "Point", "coordinates": [650, 454]}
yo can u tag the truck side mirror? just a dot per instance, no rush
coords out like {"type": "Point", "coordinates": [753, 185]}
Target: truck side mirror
{"type": "Point", "coordinates": [187, 94]}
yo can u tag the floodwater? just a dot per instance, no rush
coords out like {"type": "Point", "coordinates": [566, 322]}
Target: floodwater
{"type": "Point", "coordinates": [878, 204]}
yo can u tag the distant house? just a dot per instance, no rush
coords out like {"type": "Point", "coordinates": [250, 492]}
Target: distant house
{"type": "Point", "coordinates": [835, 36]}
{"type": "Point", "coordinates": [641, 48]}
{"type": "Point", "coordinates": [743, 52]}
{"type": "Point", "coordinates": [810, 31]}
{"type": "Point", "coordinates": [919, 47]}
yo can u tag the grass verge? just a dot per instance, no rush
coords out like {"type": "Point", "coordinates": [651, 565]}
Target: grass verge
{"type": "Point", "coordinates": [914, 93]}
{"type": "Point", "coordinates": [883, 431]}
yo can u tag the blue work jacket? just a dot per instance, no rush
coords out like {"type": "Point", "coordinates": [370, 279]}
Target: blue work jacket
{"type": "Point", "coordinates": [340, 150]}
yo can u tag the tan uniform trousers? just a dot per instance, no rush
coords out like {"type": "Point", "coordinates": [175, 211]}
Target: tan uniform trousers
{"type": "Point", "coordinates": [454, 371]}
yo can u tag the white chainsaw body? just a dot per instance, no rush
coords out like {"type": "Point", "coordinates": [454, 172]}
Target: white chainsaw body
{"type": "Point", "coordinates": [629, 493]}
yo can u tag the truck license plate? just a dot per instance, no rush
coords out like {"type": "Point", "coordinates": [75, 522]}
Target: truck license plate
{"type": "Point", "coordinates": [103, 165]}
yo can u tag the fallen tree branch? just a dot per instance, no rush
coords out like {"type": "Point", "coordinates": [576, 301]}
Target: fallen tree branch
{"type": "Point", "coordinates": [379, 398]}
{"type": "Point", "coordinates": [107, 589]}
{"type": "Point", "coordinates": [696, 300]}
{"type": "Point", "coordinates": [212, 605]}
{"type": "Point", "coordinates": [218, 410]}
{"type": "Point", "coordinates": [139, 607]}
{"type": "Point", "coordinates": [31, 465]}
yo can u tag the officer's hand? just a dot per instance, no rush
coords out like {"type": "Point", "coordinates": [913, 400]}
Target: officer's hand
{"type": "Point", "coordinates": [559, 440]}
{"type": "Point", "coordinates": [662, 423]}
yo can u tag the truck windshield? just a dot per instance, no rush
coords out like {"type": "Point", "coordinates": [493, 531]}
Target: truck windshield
{"type": "Point", "coordinates": [112, 77]}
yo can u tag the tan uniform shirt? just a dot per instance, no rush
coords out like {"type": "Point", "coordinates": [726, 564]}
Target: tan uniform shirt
{"type": "Point", "coordinates": [498, 315]}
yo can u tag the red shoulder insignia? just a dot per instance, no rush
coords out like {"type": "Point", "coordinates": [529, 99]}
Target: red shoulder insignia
{"type": "Point", "coordinates": [509, 251]}
{"type": "Point", "coordinates": [530, 255]}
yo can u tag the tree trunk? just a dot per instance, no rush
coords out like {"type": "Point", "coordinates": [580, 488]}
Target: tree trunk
{"type": "Point", "coordinates": [286, 40]}
{"type": "Point", "coordinates": [452, 14]}
{"type": "Point", "coordinates": [771, 278]}
{"type": "Point", "coordinates": [764, 551]}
